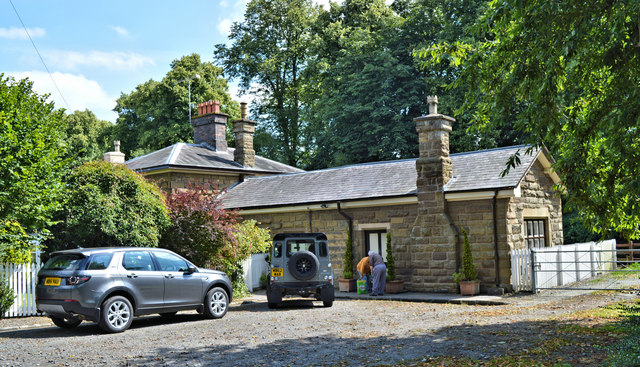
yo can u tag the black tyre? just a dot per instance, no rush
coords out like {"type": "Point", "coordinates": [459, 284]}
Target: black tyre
{"type": "Point", "coordinates": [303, 265]}
{"type": "Point", "coordinates": [216, 303]}
{"type": "Point", "coordinates": [327, 303]}
{"type": "Point", "coordinates": [116, 315]}
{"type": "Point", "coordinates": [65, 323]}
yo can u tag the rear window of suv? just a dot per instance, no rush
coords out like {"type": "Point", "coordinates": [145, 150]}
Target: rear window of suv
{"type": "Point", "coordinates": [65, 262]}
{"type": "Point", "coordinates": [294, 246]}
{"type": "Point", "coordinates": [99, 261]}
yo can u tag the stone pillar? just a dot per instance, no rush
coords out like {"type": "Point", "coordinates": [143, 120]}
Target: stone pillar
{"type": "Point", "coordinates": [244, 129]}
{"type": "Point", "coordinates": [210, 126]}
{"type": "Point", "coordinates": [116, 156]}
{"type": "Point", "coordinates": [433, 251]}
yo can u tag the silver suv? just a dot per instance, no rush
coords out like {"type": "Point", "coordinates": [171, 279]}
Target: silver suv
{"type": "Point", "coordinates": [299, 264]}
{"type": "Point", "coordinates": [112, 285]}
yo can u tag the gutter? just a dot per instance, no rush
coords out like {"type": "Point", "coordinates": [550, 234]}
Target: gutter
{"type": "Point", "coordinates": [496, 256]}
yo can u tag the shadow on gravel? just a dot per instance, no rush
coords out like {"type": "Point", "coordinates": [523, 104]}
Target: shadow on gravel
{"type": "Point", "coordinates": [541, 340]}
{"type": "Point", "coordinates": [285, 305]}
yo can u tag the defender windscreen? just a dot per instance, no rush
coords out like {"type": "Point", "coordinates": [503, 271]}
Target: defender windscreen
{"type": "Point", "coordinates": [294, 246]}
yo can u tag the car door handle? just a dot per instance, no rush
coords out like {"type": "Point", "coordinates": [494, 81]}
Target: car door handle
{"type": "Point", "coordinates": [132, 275]}
{"type": "Point", "coordinates": [169, 276]}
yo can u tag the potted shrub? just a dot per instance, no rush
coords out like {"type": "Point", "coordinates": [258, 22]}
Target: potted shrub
{"type": "Point", "coordinates": [392, 285]}
{"type": "Point", "coordinates": [467, 277]}
{"type": "Point", "coordinates": [347, 283]}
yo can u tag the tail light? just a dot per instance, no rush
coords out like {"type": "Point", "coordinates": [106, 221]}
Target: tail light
{"type": "Point", "coordinates": [74, 280]}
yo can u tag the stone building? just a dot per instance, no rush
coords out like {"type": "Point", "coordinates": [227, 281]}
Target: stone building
{"type": "Point", "coordinates": [208, 159]}
{"type": "Point", "coordinates": [423, 203]}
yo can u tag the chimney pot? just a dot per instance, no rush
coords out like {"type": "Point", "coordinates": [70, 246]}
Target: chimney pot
{"type": "Point", "coordinates": [433, 104]}
{"type": "Point", "coordinates": [243, 110]}
{"type": "Point", "coordinates": [209, 127]}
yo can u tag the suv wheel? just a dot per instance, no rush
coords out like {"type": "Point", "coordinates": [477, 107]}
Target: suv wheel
{"type": "Point", "coordinates": [117, 314]}
{"type": "Point", "coordinates": [303, 265]}
{"type": "Point", "coordinates": [216, 303]}
{"type": "Point", "coordinates": [327, 303]}
{"type": "Point", "coordinates": [65, 323]}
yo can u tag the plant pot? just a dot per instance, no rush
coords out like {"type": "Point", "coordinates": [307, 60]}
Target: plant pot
{"type": "Point", "coordinates": [394, 286]}
{"type": "Point", "coordinates": [347, 285]}
{"type": "Point", "coordinates": [469, 288]}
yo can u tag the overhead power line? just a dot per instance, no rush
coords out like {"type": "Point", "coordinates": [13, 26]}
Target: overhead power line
{"type": "Point", "coordinates": [41, 59]}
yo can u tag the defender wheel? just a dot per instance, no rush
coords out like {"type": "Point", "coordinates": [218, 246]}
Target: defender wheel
{"type": "Point", "coordinates": [272, 305]}
{"type": "Point", "coordinates": [116, 315]}
{"type": "Point", "coordinates": [65, 323]}
{"type": "Point", "coordinates": [327, 303]}
{"type": "Point", "coordinates": [216, 303]}
{"type": "Point", "coordinates": [303, 265]}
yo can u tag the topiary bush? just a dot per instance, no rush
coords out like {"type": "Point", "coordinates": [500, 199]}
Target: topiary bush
{"type": "Point", "coordinates": [391, 263]}
{"type": "Point", "coordinates": [468, 268]}
{"type": "Point", "coordinates": [347, 271]}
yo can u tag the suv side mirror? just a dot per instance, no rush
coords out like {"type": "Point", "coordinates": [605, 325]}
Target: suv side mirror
{"type": "Point", "coordinates": [191, 269]}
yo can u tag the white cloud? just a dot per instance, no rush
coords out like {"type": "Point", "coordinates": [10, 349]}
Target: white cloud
{"type": "Point", "coordinates": [120, 31]}
{"type": "Point", "coordinates": [72, 60]}
{"type": "Point", "coordinates": [20, 34]}
{"type": "Point", "coordinates": [79, 92]}
{"type": "Point", "coordinates": [224, 26]}
{"type": "Point", "coordinates": [223, 4]}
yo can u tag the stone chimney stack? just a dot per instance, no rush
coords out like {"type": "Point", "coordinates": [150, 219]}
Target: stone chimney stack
{"type": "Point", "coordinates": [244, 129]}
{"type": "Point", "coordinates": [210, 126]}
{"type": "Point", "coordinates": [434, 165]}
{"type": "Point", "coordinates": [434, 248]}
{"type": "Point", "coordinates": [116, 156]}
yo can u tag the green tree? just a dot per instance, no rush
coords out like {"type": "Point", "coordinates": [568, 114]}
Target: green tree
{"type": "Point", "coordinates": [32, 150]}
{"type": "Point", "coordinates": [6, 296]}
{"type": "Point", "coordinates": [155, 114]}
{"type": "Point", "coordinates": [87, 137]}
{"type": "Point", "coordinates": [15, 247]}
{"type": "Point", "coordinates": [109, 205]}
{"type": "Point", "coordinates": [268, 54]}
{"type": "Point", "coordinates": [568, 72]}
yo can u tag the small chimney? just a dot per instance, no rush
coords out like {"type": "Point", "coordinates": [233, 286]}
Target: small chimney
{"type": "Point", "coordinates": [210, 126]}
{"type": "Point", "coordinates": [434, 165]}
{"type": "Point", "coordinates": [244, 129]}
{"type": "Point", "coordinates": [116, 156]}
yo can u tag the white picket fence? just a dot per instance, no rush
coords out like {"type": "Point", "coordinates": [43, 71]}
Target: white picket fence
{"type": "Point", "coordinates": [22, 278]}
{"type": "Point", "coordinates": [560, 265]}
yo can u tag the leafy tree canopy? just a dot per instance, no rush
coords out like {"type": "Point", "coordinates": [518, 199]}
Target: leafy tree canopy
{"type": "Point", "coordinates": [155, 114]}
{"type": "Point", "coordinates": [268, 55]}
{"type": "Point", "coordinates": [568, 73]}
{"type": "Point", "coordinates": [32, 151]}
{"type": "Point", "coordinates": [109, 205]}
{"type": "Point", "coordinates": [87, 137]}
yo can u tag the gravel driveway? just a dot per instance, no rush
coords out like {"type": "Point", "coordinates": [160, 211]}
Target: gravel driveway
{"type": "Point", "coordinates": [302, 333]}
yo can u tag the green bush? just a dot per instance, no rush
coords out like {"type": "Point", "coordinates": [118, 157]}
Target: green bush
{"type": "Point", "coordinates": [391, 263]}
{"type": "Point", "coordinates": [14, 243]}
{"type": "Point", "coordinates": [109, 205]}
{"type": "Point", "coordinates": [6, 296]}
{"type": "Point", "coordinates": [347, 271]}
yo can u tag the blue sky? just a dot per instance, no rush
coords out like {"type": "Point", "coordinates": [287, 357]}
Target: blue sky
{"type": "Point", "coordinates": [97, 50]}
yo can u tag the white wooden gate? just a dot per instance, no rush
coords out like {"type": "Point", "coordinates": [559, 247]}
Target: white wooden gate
{"type": "Point", "coordinates": [22, 278]}
{"type": "Point", "coordinates": [553, 267]}
{"type": "Point", "coordinates": [253, 268]}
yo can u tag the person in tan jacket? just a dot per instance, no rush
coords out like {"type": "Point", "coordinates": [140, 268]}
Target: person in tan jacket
{"type": "Point", "coordinates": [364, 271]}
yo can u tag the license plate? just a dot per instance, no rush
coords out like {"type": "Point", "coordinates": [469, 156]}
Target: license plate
{"type": "Point", "coordinates": [276, 272]}
{"type": "Point", "coordinates": [52, 281]}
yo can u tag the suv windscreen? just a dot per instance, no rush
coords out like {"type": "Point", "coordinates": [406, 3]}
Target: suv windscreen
{"type": "Point", "coordinates": [65, 262]}
{"type": "Point", "coordinates": [294, 246]}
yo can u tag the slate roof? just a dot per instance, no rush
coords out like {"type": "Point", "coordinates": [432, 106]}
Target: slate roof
{"type": "Point", "coordinates": [194, 156]}
{"type": "Point", "coordinates": [472, 171]}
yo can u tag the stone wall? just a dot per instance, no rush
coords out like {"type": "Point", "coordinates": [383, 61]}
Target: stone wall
{"type": "Point", "coordinates": [176, 180]}
{"type": "Point", "coordinates": [397, 219]}
{"type": "Point", "coordinates": [538, 201]}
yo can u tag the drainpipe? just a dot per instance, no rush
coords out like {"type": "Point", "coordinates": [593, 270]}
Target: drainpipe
{"type": "Point", "coordinates": [457, 234]}
{"type": "Point", "coordinates": [496, 256]}
{"type": "Point", "coordinates": [347, 217]}
{"type": "Point", "coordinates": [310, 221]}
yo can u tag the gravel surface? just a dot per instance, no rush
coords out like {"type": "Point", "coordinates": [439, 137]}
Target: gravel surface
{"type": "Point", "coordinates": [302, 333]}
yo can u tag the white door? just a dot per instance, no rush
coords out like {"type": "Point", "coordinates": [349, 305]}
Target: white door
{"type": "Point", "coordinates": [377, 241]}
